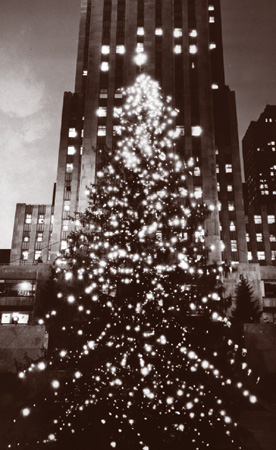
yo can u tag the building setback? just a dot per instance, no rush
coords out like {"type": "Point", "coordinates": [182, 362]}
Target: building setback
{"type": "Point", "coordinates": [182, 42]}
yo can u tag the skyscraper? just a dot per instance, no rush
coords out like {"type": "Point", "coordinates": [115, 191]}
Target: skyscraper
{"type": "Point", "coordinates": [181, 44]}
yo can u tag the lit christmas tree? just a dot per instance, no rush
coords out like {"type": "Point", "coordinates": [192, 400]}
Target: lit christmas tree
{"type": "Point", "coordinates": [141, 356]}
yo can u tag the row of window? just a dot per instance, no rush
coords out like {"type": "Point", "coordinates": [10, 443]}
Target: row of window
{"type": "Point", "coordinates": [229, 187]}
{"type": "Point", "coordinates": [39, 237]}
{"type": "Point", "coordinates": [8, 318]}
{"type": "Point", "coordinates": [228, 168]}
{"type": "Point", "coordinates": [258, 219]}
{"type": "Point", "coordinates": [261, 255]}
{"type": "Point", "coordinates": [40, 220]}
{"type": "Point", "coordinates": [37, 255]}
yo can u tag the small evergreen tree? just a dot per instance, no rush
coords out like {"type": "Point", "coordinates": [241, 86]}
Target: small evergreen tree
{"type": "Point", "coordinates": [247, 308]}
{"type": "Point", "coordinates": [141, 357]}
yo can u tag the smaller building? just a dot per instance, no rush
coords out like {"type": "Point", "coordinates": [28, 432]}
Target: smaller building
{"type": "Point", "coordinates": [31, 234]}
{"type": "Point", "coordinates": [24, 295]}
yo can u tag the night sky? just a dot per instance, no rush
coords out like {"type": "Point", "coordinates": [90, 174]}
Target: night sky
{"type": "Point", "coordinates": [38, 48]}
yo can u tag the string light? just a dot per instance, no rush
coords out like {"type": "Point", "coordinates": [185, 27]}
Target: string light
{"type": "Point", "coordinates": [144, 343]}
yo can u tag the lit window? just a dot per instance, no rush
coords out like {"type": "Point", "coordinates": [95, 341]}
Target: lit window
{"type": "Point", "coordinates": [65, 225]}
{"type": "Point", "coordinates": [120, 49]}
{"type": "Point", "coordinates": [211, 8]}
{"type": "Point", "coordinates": [234, 246]}
{"type": "Point", "coordinates": [85, 73]}
{"type": "Point", "coordinates": [272, 238]}
{"type": "Point", "coordinates": [140, 47]}
{"type": "Point", "coordinates": [14, 318]}
{"type": "Point", "coordinates": [102, 130]}
{"type": "Point", "coordinates": [212, 46]}
{"type": "Point", "coordinates": [25, 255]}
{"type": "Point", "coordinates": [158, 31]}
{"type": "Point", "coordinates": [259, 237]}
{"type": "Point", "coordinates": [52, 218]}
{"type": "Point", "coordinates": [215, 86]}
{"type": "Point", "coordinates": [37, 255]}
{"type": "Point", "coordinates": [63, 245]}
{"type": "Point", "coordinates": [28, 218]}
{"type": "Point", "coordinates": [66, 206]}
{"type": "Point", "coordinates": [104, 66]}
{"type": "Point", "coordinates": [101, 112]}
{"type": "Point", "coordinates": [228, 168]}
{"type": "Point", "coordinates": [273, 254]}
{"type": "Point", "coordinates": [177, 49]}
{"type": "Point", "coordinates": [217, 168]}
{"type": "Point", "coordinates": [196, 130]}
{"type": "Point", "coordinates": [118, 95]}
{"type": "Point", "coordinates": [232, 226]}
{"type": "Point", "coordinates": [219, 206]}
{"type": "Point", "coordinates": [197, 172]}
{"type": "Point", "coordinates": [72, 132]}
{"type": "Point", "coordinates": [247, 237]}
{"type": "Point", "coordinates": [193, 49]}
{"type": "Point", "coordinates": [250, 257]}
{"type": "Point", "coordinates": [69, 168]}
{"type": "Point", "coordinates": [193, 33]}
{"type": "Point", "coordinates": [218, 187]}
{"type": "Point", "coordinates": [258, 219]}
{"type": "Point", "coordinates": [39, 237]}
{"type": "Point", "coordinates": [26, 238]}
{"type": "Point", "coordinates": [264, 192]}
{"type": "Point", "coordinates": [261, 256]}
{"type": "Point", "coordinates": [105, 49]}
{"type": "Point", "coordinates": [270, 219]}
{"type": "Point", "coordinates": [231, 206]}
{"type": "Point", "coordinates": [177, 32]}
{"type": "Point", "coordinates": [140, 31]}
{"type": "Point", "coordinates": [211, 19]}
{"type": "Point", "coordinates": [229, 187]}
{"type": "Point", "coordinates": [180, 130]}
{"type": "Point", "coordinates": [71, 150]}
{"type": "Point", "coordinates": [103, 93]}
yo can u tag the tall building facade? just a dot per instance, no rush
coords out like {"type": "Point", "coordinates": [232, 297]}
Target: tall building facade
{"type": "Point", "coordinates": [259, 152]}
{"type": "Point", "coordinates": [181, 41]}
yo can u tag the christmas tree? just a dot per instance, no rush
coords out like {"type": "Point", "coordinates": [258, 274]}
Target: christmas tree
{"type": "Point", "coordinates": [247, 308]}
{"type": "Point", "coordinates": [141, 357]}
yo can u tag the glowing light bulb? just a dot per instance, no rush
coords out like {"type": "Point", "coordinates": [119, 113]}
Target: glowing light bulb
{"type": "Point", "coordinates": [26, 412]}
{"type": "Point", "coordinates": [55, 384]}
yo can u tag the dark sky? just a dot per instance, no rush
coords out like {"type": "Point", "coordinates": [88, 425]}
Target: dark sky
{"type": "Point", "coordinates": [38, 47]}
